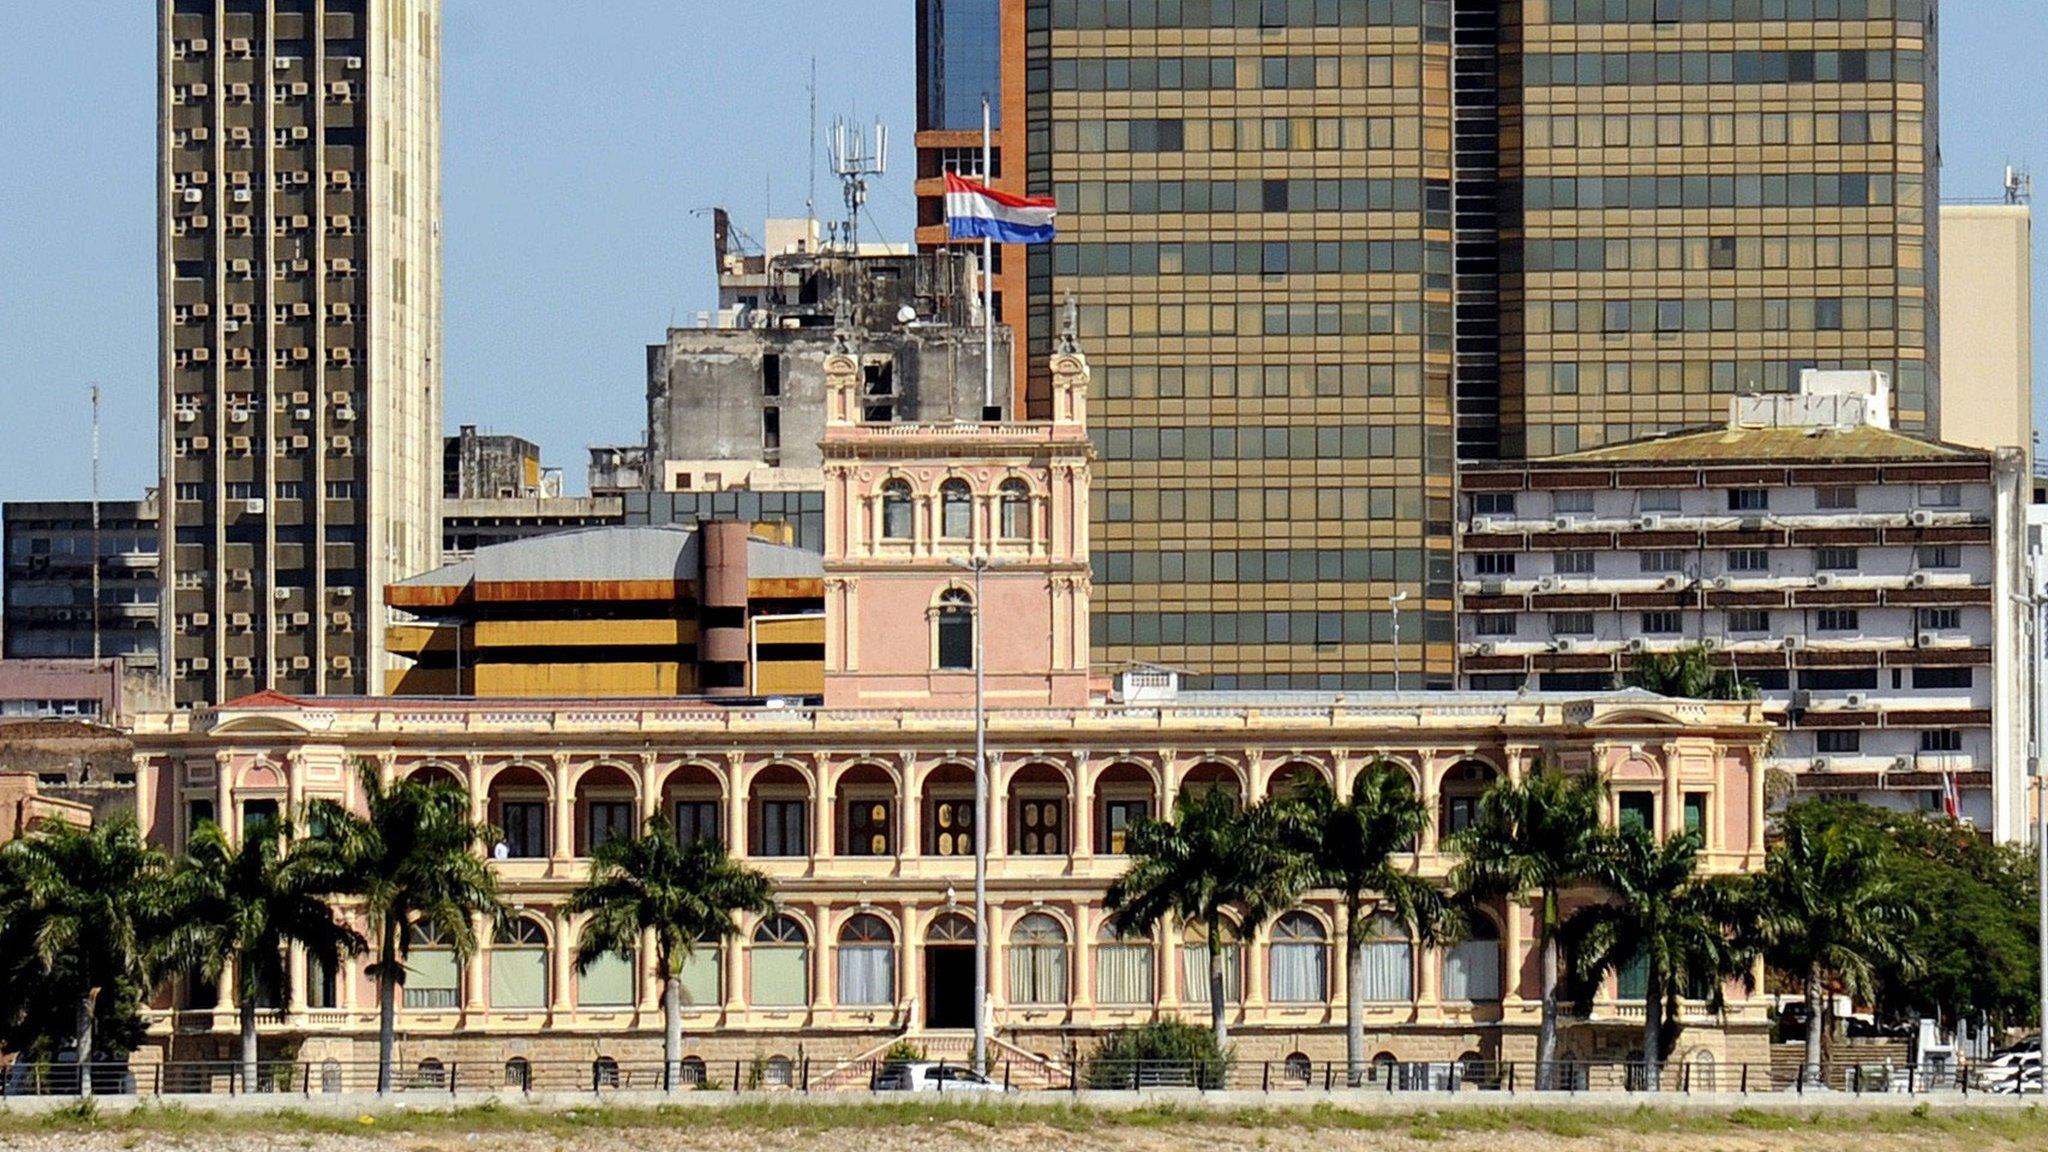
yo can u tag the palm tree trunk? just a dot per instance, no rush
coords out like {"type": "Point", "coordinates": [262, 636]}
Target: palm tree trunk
{"type": "Point", "coordinates": [85, 1042]}
{"type": "Point", "coordinates": [251, 1071]}
{"type": "Point", "coordinates": [1546, 1025]}
{"type": "Point", "coordinates": [1814, 1023]}
{"type": "Point", "coordinates": [1653, 1027]}
{"type": "Point", "coordinates": [672, 1031]}
{"type": "Point", "coordinates": [1354, 996]}
{"type": "Point", "coordinates": [387, 1005]}
{"type": "Point", "coordinates": [1218, 1021]}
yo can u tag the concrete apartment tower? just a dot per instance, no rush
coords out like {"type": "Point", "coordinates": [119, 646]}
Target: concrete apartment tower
{"type": "Point", "coordinates": [1324, 250]}
{"type": "Point", "coordinates": [300, 285]}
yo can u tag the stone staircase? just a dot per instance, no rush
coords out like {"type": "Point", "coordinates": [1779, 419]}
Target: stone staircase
{"type": "Point", "coordinates": [1023, 1070]}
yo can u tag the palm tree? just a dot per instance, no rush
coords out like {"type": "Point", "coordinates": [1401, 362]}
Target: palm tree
{"type": "Point", "coordinates": [1826, 908]}
{"type": "Point", "coordinates": [1213, 855]}
{"type": "Point", "coordinates": [1688, 673]}
{"type": "Point", "coordinates": [1351, 846]}
{"type": "Point", "coordinates": [239, 907]}
{"type": "Point", "coordinates": [413, 859]}
{"type": "Point", "coordinates": [1661, 913]}
{"type": "Point", "coordinates": [683, 894]}
{"type": "Point", "coordinates": [1537, 836]}
{"type": "Point", "coordinates": [81, 910]}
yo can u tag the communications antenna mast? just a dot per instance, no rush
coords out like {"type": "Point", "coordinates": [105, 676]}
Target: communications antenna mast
{"type": "Point", "coordinates": [855, 163]}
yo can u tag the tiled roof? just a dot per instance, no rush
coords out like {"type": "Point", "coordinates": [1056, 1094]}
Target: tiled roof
{"type": "Point", "coordinates": [1772, 445]}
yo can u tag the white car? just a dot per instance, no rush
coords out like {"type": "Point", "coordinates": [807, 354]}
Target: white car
{"type": "Point", "coordinates": [919, 1076]}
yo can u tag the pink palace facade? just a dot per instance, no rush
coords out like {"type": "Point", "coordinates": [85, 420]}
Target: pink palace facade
{"type": "Point", "coordinates": [861, 812]}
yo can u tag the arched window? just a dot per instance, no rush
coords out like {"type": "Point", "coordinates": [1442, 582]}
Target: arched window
{"type": "Point", "coordinates": [1123, 968]}
{"type": "Point", "coordinates": [1194, 965]}
{"type": "Point", "coordinates": [430, 1073]}
{"type": "Point", "coordinates": [955, 625]}
{"type": "Point", "coordinates": [519, 965]}
{"type": "Point", "coordinates": [956, 510]}
{"type": "Point", "coordinates": [1388, 961]}
{"type": "Point", "coordinates": [779, 1072]}
{"type": "Point", "coordinates": [695, 1074]}
{"type": "Point", "coordinates": [1015, 497]}
{"type": "Point", "coordinates": [1038, 961]}
{"type": "Point", "coordinates": [1472, 969]}
{"type": "Point", "coordinates": [896, 519]}
{"type": "Point", "coordinates": [780, 960]}
{"type": "Point", "coordinates": [951, 928]}
{"type": "Point", "coordinates": [867, 961]}
{"type": "Point", "coordinates": [1299, 1069]}
{"type": "Point", "coordinates": [1463, 785]}
{"type": "Point", "coordinates": [1300, 959]}
{"type": "Point", "coordinates": [433, 978]}
{"type": "Point", "coordinates": [519, 1073]}
{"type": "Point", "coordinates": [604, 1072]}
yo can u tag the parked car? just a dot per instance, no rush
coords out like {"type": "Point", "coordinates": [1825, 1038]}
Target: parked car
{"type": "Point", "coordinates": [920, 1076]}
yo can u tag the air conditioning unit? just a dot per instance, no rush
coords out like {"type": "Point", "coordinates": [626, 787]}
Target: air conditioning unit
{"type": "Point", "coordinates": [343, 664]}
{"type": "Point", "coordinates": [1549, 584]}
{"type": "Point", "coordinates": [282, 62]}
{"type": "Point", "coordinates": [1672, 583]}
{"type": "Point", "coordinates": [1820, 764]}
{"type": "Point", "coordinates": [194, 195]}
{"type": "Point", "coordinates": [239, 415]}
{"type": "Point", "coordinates": [239, 266]}
{"type": "Point", "coordinates": [201, 619]}
{"type": "Point", "coordinates": [1482, 523]}
{"type": "Point", "coordinates": [1650, 523]}
{"type": "Point", "coordinates": [1802, 698]}
{"type": "Point", "coordinates": [1926, 639]}
{"type": "Point", "coordinates": [344, 620]}
{"type": "Point", "coordinates": [187, 415]}
{"type": "Point", "coordinates": [238, 444]}
{"type": "Point", "coordinates": [302, 413]}
{"type": "Point", "coordinates": [343, 592]}
{"type": "Point", "coordinates": [300, 443]}
{"type": "Point", "coordinates": [301, 663]}
{"type": "Point", "coordinates": [300, 132]}
{"type": "Point", "coordinates": [253, 507]}
{"type": "Point", "coordinates": [1855, 700]}
{"type": "Point", "coordinates": [345, 412]}
{"type": "Point", "coordinates": [201, 663]}
{"type": "Point", "coordinates": [1493, 587]}
{"type": "Point", "coordinates": [239, 575]}
{"type": "Point", "coordinates": [1639, 645]}
{"type": "Point", "coordinates": [1921, 518]}
{"type": "Point", "coordinates": [1902, 763]}
{"type": "Point", "coordinates": [1724, 583]}
{"type": "Point", "coordinates": [1795, 643]}
{"type": "Point", "coordinates": [338, 88]}
{"type": "Point", "coordinates": [1565, 644]}
{"type": "Point", "coordinates": [281, 592]}
{"type": "Point", "coordinates": [239, 621]}
{"type": "Point", "coordinates": [202, 309]}
{"type": "Point", "coordinates": [231, 326]}
{"type": "Point", "coordinates": [338, 397]}
{"type": "Point", "coordinates": [239, 45]}
{"type": "Point", "coordinates": [1489, 648]}
{"type": "Point", "coordinates": [239, 664]}
{"type": "Point", "coordinates": [1563, 523]}
{"type": "Point", "coordinates": [1825, 580]}
{"type": "Point", "coordinates": [301, 619]}
{"type": "Point", "coordinates": [1752, 523]}
{"type": "Point", "coordinates": [1713, 643]}
{"type": "Point", "coordinates": [244, 195]}
{"type": "Point", "coordinates": [199, 44]}
{"type": "Point", "coordinates": [299, 88]}
{"type": "Point", "coordinates": [201, 443]}
{"type": "Point", "coordinates": [353, 63]}
{"type": "Point", "coordinates": [1918, 580]}
{"type": "Point", "coordinates": [340, 444]}
{"type": "Point", "coordinates": [301, 354]}
{"type": "Point", "coordinates": [201, 134]}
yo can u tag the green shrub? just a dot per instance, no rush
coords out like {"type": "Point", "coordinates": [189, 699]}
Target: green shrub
{"type": "Point", "coordinates": [903, 1051]}
{"type": "Point", "coordinates": [1161, 1054]}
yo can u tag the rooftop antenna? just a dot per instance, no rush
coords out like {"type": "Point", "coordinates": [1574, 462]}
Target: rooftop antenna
{"type": "Point", "coordinates": [2019, 185]}
{"type": "Point", "coordinates": [854, 163]}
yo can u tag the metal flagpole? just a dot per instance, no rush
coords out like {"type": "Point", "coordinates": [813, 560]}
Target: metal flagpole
{"type": "Point", "coordinates": [96, 522]}
{"type": "Point", "coordinates": [988, 291]}
{"type": "Point", "coordinates": [980, 829]}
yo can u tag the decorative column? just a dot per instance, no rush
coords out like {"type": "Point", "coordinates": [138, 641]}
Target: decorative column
{"type": "Point", "coordinates": [562, 811]}
{"type": "Point", "coordinates": [1512, 943]}
{"type": "Point", "coordinates": [822, 814]}
{"type": "Point", "coordinates": [1432, 800]}
{"type": "Point", "coordinates": [1081, 812]}
{"type": "Point", "coordinates": [473, 985]}
{"type": "Point", "coordinates": [1673, 815]}
{"type": "Point", "coordinates": [647, 791]}
{"type": "Point", "coordinates": [909, 822]}
{"type": "Point", "coordinates": [736, 780]}
{"type": "Point", "coordinates": [561, 958]}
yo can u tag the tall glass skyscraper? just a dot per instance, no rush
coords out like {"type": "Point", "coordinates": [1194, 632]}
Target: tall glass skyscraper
{"type": "Point", "coordinates": [1323, 248]}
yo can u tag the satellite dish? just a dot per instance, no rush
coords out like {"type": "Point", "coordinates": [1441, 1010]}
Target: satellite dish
{"type": "Point", "coordinates": [906, 314]}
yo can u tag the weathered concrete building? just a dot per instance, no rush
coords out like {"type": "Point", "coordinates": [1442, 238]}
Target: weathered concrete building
{"type": "Point", "coordinates": [50, 577]}
{"type": "Point", "coordinates": [481, 466]}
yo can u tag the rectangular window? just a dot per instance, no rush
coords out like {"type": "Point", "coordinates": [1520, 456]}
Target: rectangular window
{"type": "Point", "coordinates": [1838, 741]}
{"type": "Point", "coordinates": [1493, 503]}
{"type": "Point", "coordinates": [1661, 500]}
{"type": "Point", "coordinates": [951, 831]}
{"type": "Point", "coordinates": [524, 823]}
{"type": "Point", "coordinates": [197, 812]}
{"type": "Point", "coordinates": [697, 820]}
{"type": "Point", "coordinates": [1571, 623]}
{"type": "Point", "coordinates": [607, 983]}
{"type": "Point", "coordinates": [1950, 678]}
{"type": "Point", "coordinates": [1941, 495]}
{"type": "Point", "coordinates": [1496, 624]}
{"type": "Point", "coordinates": [1572, 563]}
{"type": "Point", "coordinates": [1838, 679]}
{"type": "Point", "coordinates": [1835, 497]}
{"type": "Point", "coordinates": [1938, 556]}
{"type": "Point", "coordinates": [1039, 827]}
{"type": "Point", "coordinates": [1662, 623]}
{"type": "Point", "coordinates": [1749, 560]}
{"type": "Point", "coordinates": [1834, 559]}
{"type": "Point", "coordinates": [1572, 503]}
{"type": "Point", "coordinates": [1696, 814]}
{"type": "Point", "coordinates": [1749, 620]}
{"type": "Point", "coordinates": [433, 980]}
{"type": "Point", "coordinates": [1659, 560]}
{"type": "Point", "coordinates": [1749, 499]}
{"type": "Point", "coordinates": [1940, 619]}
{"type": "Point", "coordinates": [1494, 563]}
{"type": "Point", "coordinates": [1638, 810]}
{"type": "Point", "coordinates": [1837, 620]}
{"type": "Point", "coordinates": [1117, 818]}
{"type": "Point", "coordinates": [782, 828]}
{"type": "Point", "coordinates": [1941, 740]}
{"type": "Point", "coordinates": [606, 819]}
{"type": "Point", "coordinates": [867, 828]}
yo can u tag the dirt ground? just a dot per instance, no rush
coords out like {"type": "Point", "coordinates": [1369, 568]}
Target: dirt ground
{"type": "Point", "coordinates": [1577, 1131]}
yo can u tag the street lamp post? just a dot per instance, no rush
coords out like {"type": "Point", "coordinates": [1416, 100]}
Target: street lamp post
{"type": "Point", "coordinates": [979, 565]}
{"type": "Point", "coordinates": [1394, 603]}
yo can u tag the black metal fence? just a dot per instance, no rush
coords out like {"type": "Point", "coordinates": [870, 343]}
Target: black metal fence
{"type": "Point", "coordinates": [605, 1076]}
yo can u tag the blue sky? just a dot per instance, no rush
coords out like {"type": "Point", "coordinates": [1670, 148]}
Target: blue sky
{"type": "Point", "coordinates": [577, 150]}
